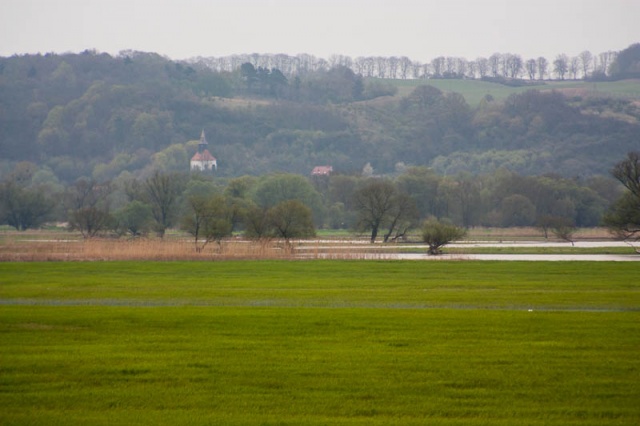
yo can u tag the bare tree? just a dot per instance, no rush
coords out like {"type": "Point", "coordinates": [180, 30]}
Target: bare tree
{"type": "Point", "coordinates": [393, 63]}
{"type": "Point", "coordinates": [561, 65]}
{"type": "Point", "coordinates": [374, 202]}
{"type": "Point", "coordinates": [450, 66]}
{"type": "Point", "coordinates": [437, 65]}
{"type": "Point", "coordinates": [623, 218]}
{"type": "Point", "coordinates": [402, 217]}
{"type": "Point", "coordinates": [88, 207]}
{"type": "Point", "coordinates": [586, 59]}
{"type": "Point", "coordinates": [381, 66]}
{"type": "Point", "coordinates": [532, 68]}
{"type": "Point", "coordinates": [512, 65]}
{"type": "Point", "coordinates": [495, 62]}
{"type": "Point", "coordinates": [606, 58]}
{"type": "Point", "coordinates": [543, 64]}
{"type": "Point", "coordinates": [405, 65]}
{"type": "Point", "coordinates": [574, 67]}
{"type": "Point", "coordinates": [358, 65]}
{"type": "Point", "coordinates": [416, 70]}
{"type": "Point", "coordinates": [426, 70]}
{"type": "Point", "coordinates": [483, 67]}
{"type": "Point", "coordinates": [628, 172]}
{"type": "Point", "coordinates": [369, 65]}
{"type": "Point", "coordinates": [472, 68]}
{"type": "Point", "coordinates": [461, 67]}
{"type": "Point", "coordinates": [564, 229]}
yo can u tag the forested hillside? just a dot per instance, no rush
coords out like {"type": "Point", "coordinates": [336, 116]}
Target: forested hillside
{"type": "Point", "coordinates": [98, 116]}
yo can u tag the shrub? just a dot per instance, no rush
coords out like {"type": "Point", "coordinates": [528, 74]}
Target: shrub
{"type": "Point", "coordinates": [438, 234]}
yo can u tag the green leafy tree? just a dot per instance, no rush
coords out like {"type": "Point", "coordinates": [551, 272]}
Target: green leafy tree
{"type": "Point", "coordinates": [275, 189]}
{"type": "Point", "coordinates": [207, 219]}
{"type": "Point", "coordinates": [172, 159]}
{"type": "Point", "coordinates": [211, 83]}
{"type": "Point", "coordinates": [437, 234]}
{"type": "Point", "coordinates": [23, 208]}
{"type": "Point", "coordinates": [627, 63]}
{"type": "Point", "coordinates": [337, 216]}
{"type": "Point", "coordinates": [161, 192]}
{"type": "Point", "coordinates": [249, 75]}
{"type": "Point", "coordinates": [421, 183]}
{"type": "Point", "coordinates": [466, 195]}
{"type": "Point", "coordinates": [134, 219]}
{"type": "Point", "coordinates": [256, 223]}
{"type": "Point", "coordinates": [240, 187]}
{"type": "Point", "coordinates": [291, 219]}
{"type": "Point", "coordinates": [518, 210]}
{"type": "Point", "coordinates": [342, 188]}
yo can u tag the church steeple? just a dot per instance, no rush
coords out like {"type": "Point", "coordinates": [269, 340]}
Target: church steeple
{"type": "Point", "coordinates": [203, 142]}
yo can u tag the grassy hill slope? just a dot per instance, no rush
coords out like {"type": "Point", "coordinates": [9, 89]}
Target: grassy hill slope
{"type": "Point", "coordinates": [474, 90]}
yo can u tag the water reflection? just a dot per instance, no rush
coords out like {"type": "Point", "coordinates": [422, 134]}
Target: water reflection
{"type": "Point", "coordinates": [382, 254]}
{"type": "Point", "coordinates": [521, 257]}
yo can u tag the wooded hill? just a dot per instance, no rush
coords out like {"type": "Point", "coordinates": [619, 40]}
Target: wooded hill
{"type": "Point", "coordinates": [96, 115]}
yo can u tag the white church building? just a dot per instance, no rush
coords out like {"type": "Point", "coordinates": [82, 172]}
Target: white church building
{"type": "Point", "coordinates": [203, 160]}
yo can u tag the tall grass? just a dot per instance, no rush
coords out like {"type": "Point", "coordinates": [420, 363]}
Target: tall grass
{"type": "Point", "coordinates": [139, 249]}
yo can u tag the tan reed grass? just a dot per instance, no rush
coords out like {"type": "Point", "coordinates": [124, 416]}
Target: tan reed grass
{"type": "Point", "coordinates": [19, 249]}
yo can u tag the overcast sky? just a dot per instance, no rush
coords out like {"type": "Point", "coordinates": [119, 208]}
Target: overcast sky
{"type": "Point", "coordinates": [419, 29]}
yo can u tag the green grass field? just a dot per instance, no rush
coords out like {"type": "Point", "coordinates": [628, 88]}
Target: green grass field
{"type": "Point", "coordinates": [319, 343]}
{"type": "Point", "coordinates": [474, 90]}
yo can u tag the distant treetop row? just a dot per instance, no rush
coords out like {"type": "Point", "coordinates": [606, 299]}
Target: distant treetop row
{"type": "Point", "coordinates": [586, 65]}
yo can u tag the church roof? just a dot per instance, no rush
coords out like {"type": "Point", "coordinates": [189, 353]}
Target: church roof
{"type": "Point", "coordinates": [203, 156]}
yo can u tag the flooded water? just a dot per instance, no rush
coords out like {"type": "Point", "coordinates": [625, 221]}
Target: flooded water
{"type": "Point", "coordinates": [519, 244]}
{"type": "Point", "coordinates": [520, 257]}
{"type": "Point", "coordinates": [381, 255]}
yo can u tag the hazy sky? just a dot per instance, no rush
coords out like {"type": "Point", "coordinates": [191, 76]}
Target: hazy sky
{"type": "Point", "coordinates": [419, 29]}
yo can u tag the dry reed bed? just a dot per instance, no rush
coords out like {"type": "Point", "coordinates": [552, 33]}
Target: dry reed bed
{"type": "Point", "coordinates": [166, 250]}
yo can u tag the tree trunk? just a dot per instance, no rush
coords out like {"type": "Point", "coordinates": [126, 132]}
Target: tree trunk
{"type": "Point", "coordinates": [374, 234]}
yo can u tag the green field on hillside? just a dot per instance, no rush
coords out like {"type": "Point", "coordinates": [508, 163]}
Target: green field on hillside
{"type": "Point", "coordinates": [319, 343]}
{"type": "Point", "coordinates": [474, 90]}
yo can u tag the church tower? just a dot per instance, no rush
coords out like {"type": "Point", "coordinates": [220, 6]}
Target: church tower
{"type": "Point", "coordinates": [203, 160]}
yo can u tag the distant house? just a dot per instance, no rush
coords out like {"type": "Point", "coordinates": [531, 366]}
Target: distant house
{"type": "Point", "coordinates": [203, 160]}
{"type": "Point", "coordinates": [322, 171]}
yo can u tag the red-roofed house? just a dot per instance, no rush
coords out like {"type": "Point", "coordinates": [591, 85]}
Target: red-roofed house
{"type": "Point", "coordinates": [321, 171]}
{"type": "Point", "coordinates": [203, 160]}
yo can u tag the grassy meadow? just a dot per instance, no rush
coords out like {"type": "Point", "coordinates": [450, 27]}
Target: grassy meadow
{"type": "Point", "coordinates": [474, 90]}
{"type": "Point", "coordinates": [319, 343]}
